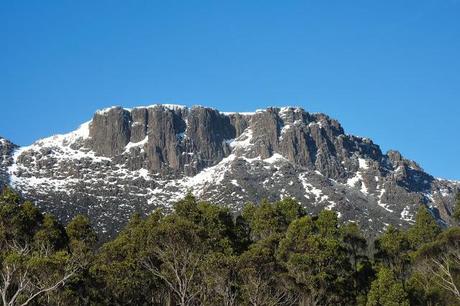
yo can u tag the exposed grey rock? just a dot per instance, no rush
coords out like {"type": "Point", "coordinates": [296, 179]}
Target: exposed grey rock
{"type": "Point", "coordinates": [140, 120]}
{"type": "Point", "coordinates": [134, 160]}
{"type": "Point", "coordinates": [6, 151]}
{"type": "Point", "coordinates": [110, 131]}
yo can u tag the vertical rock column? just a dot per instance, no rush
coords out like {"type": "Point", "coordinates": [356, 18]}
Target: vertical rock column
{"type": "Point", "coordinates": [110, 131]}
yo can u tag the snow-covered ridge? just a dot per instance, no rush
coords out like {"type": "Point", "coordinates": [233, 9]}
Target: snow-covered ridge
{"type": "Point", "coordinates": [59, 140]}
{"type": "Point", "coordinates": [182, 107]}
{"type": "Point", "coordinates": [282, 110]}
{"type": "Point", "coordinates": [238, 113]}
{"type": "Point", "coordinates": [59, 148]}
{"type": "Point", "coordinates": [168, 106]}
{"type": "Point", "coordinates": [448, 181]}
{"type": "Point", "coordinates": [66, 139]}
{"type": "Point", "coordinates": [285, 109]}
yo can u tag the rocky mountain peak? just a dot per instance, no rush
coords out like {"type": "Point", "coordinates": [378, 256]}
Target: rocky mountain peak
{"type": "Point", "coordinates": [133, 160]}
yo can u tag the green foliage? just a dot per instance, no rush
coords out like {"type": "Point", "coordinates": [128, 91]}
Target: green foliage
{"type": "Point", "coordinates": [202, 254]}
{"type": "Point", "coordinates": [51, 235]}
{"type": "Point", "coordinates": [393, 250]}
{"type": "Point", "coordinates": [220, 279]}
{"type": "Point", "coordinates": [18, 221]}
{"type": "Point", "coordinates": [315, 257]}
{"type": "Point", "coordinates": [9, 196]}
{"type": "Point", "coordinates": [263, 219]}
{"type": "Point", "coordinates": [262, 277]}
{"type": "Point", "coordinates": [35, 258]}
{"type": "Point", "coordinates": [118, 271]}
{"type": "Point", "coordinates": [328, 223]}
{"type": "Point", "coordinates": [424, 230]}
{"type": "Point", "coordinates": [178, 250]}
{"type": "Point", "coordinates": [437, 269]}
{"type": "Point", "coordinates": [456, 212]}
{"type": "Point", "coordinates": [386, 290]}
{"type": "Point", "coordinates": [267, 219]}
{"type": "Point", "coordinates": [80, 229]}
{"type": "Point", "coordinates": [355, 243]}
{"type": "Point", "coordinates": [288, 210]}
{"type": "Point", "coordinates": [356, 248]}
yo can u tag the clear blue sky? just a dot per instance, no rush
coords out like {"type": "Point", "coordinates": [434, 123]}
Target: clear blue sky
{"type": "Point", "coordinates": [388, 70]}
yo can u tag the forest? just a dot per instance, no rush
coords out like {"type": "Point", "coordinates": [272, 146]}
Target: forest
{"type": "Point", "coordinates": [203, 254]}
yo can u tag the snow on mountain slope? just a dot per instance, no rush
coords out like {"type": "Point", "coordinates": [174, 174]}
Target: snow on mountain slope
{"type": "Point", "coordinates": [134, 160]}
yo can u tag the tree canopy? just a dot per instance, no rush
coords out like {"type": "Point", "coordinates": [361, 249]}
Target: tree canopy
{"type": "Point", "coordinates": [273, 253]}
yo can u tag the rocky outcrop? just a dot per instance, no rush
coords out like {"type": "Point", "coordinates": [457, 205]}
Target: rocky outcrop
{"type": "Point", "coordinates": [133, 160]}
{"type": "Point", "coordinates": [6, 151]}
{"type": "Point", "coordinates": [110, 131]}
{"type": "Point", "coordinates": [173, 140]}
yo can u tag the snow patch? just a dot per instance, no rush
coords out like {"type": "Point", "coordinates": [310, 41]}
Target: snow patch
{"type": "Point", "coordinates": [59, 148]}
{"type": "Point", "coordinates": [144, 173]}
{"type": "Point", "coordinates": [65, 139]}
{"type": "Point", "coordinates": [208, 176]}
{"type": "Point", "coordinates": [363, 163]}
{"type": "Point", "coordinates": [105, 110]}
{"type": "Point", "coordinates": [358, 178]}
{"type": "Point", "coordinates": [312, 190]}
{"type": "Point", "coordinates": [242, 142]}
{"type": "Point", "coordinates": [167, 106]}
{"type": "Point", "coordinates": [406, 215]}
{"type": "Point", "coordinates": [141, 143]}
{"type": "Point", "coordinates": [275, 158]}
{"type": "Point", "coordinates": [380, 203]}
{"type": "Point", "coordinates": [238, 113]}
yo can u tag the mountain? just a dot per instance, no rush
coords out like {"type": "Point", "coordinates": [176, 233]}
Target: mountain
{"type": "Point", "coordinates": [6, 159]}
{"type": "Point", "coordinates": [135, 160]}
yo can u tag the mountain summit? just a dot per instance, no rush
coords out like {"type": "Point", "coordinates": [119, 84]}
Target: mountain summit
{"type": "Point", "coordinates": [134, 160]}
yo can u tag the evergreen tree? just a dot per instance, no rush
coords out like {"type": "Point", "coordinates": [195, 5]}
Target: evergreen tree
{"type": "Point", "coordinates": [220, 280]}
{"type": "Point", "coordinates": [80, 229]}
{"type": "Point", "coordinates": [262, 279]}
{"type": "Point", "coordinates": [315, 257]}
{"type": "Point", "coordinates": [9, 196]}
{"type": "Point", "coordinates": [35, 262]}
{"type": "Point", "coordinates": [456, 212]}
{"type": "Point", "coordinates": [178, 250]}
{"type": "Point", "coordinates": [51, 235]}
{"type": "Point", "coordinates": [356, 246]}
{"type": "Point", "coordinates": [437, 265]}
{"type": "Point", "coordinates": [386, 290]}
{"type": "Point", "coordinates": [424, 230]}
{"type": "Point", "coordinates": [392, 250]}
{"type": "Point", "coordinates": [355, 243]}
{"type": "Point", "coordinates": [263, 219]}
{"type": "Point", "coordinates": [201, 254]}
{"type": "Point", "coordinates": [288, 210]}
{"type": "Point", "coordinates": [327, 223]}
{"type": "Point", "coordinates": [215, 220]}
{"type": "Point", "coordinates": [267, 218]}
{"type": "Point", "coordinates": [120, 278]}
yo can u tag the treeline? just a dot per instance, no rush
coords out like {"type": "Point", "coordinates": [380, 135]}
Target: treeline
{"type": "Point", "coordinates": [271, 254]}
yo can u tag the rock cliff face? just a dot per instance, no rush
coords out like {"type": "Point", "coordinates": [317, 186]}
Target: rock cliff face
{"type": "Point", "coordinates": [133, 160]}
{"type": "Point", "coordinates": [6, 151]}
{"type": "Point", "coordinates": [171, 140]}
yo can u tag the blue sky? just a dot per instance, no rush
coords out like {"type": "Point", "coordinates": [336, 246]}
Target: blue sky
{"type": "Point", "coordinates": [387, 70]}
